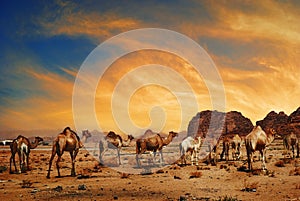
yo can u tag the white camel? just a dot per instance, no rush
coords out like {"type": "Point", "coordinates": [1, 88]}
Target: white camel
{"type": "Point", "coordinates": [191, 145]}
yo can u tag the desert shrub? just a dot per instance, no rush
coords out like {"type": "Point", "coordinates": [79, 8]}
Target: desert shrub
{"type": "Point", "coordinates": [250, 186]}
{"type": "Point", "coordinates": [124, 175]}
{"type": "Point", "coordinates": [227, 198]}
{"type": "Point", "coordinates": [195, 174]}
{"type": "Point", "coordinates": [279, 163]}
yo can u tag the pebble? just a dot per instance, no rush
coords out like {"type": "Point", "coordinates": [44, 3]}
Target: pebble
{"type": "Point", "coordinates": [81, 187]}
{"type": "Point", "coordinates": [58, 188]}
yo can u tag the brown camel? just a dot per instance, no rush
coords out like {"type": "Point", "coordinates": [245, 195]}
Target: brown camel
{"type": "Point", "coordinates": [236, 144]}
{"type": "Point", "coordinates": [22, 146]}
{"type": "Point", "coordinates": [291, 141]}
{"type": "Point", "coordinates": [153, 143]}
{"type": "Point", "coordinates": [258, 140]}
{"type": "Point", "coordinates": [68, 141]}
{"type": "Point", "coordinates": [113, 141]}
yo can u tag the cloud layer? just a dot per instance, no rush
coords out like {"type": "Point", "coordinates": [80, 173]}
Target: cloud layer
{"type": "Point", "coordinates": [255, 46]}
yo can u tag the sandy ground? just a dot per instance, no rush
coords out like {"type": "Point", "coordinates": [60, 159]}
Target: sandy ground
{"type": "Point", "coordinates": [203, 182]}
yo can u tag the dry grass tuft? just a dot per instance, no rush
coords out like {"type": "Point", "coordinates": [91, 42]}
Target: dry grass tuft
{"type": "Point", "coordinates": [295, 171]}
{"type": "Point", "coordinates": [280, 163]}
{"type": "Point", "coordinates": [195, 175]}
{"type": "Point", "coordinates": [26, 184]}
{"type": "Point", "coordinates": [124, 175]}
{"type": "Point", "coordinates": [84, 174]}
{"type": "Point", "coordinates": [250, 186]}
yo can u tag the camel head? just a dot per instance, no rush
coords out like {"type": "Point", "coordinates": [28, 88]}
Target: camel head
{"type": "Point", "coordinates": [173, 134]}
{"type": "Point", "coordinates": [86, 133]}
{"type": "Point", "coordinates": [111, 134]}
{"type": "Point", "coordinates": [130, 137]}
{"type": "Point", "coordinates": [39, 139]}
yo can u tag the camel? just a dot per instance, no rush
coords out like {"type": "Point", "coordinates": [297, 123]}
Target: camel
{"type": "Point", "coordinates": [68, 141]}
{"type": "Point", "coordinates": [191, 145]}
{"type": "Point", "coordinates": [258, 140]}
{"type": "Point", "coordinates": [212, 145]}
{"type": "Point", "coordinates": [22, 146]}
{"type": "Point", "coordinates": [236, 144]}
{"type": "Point", "coordinates": [153, 143]}
{"type": "Point", "coordinates": [226, 147]}
{"type": "Point", "coordinates": [113, 141]}
{"type": "Point", "coordinates": [85, 135]}
{"type": "Point", "coordinates": [291, 141]}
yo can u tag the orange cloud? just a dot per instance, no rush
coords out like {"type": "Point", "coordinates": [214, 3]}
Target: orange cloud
{"type": "Point", "coordinates": [73, 22]}
{"type": "Point", "coordinates": [50, 108]}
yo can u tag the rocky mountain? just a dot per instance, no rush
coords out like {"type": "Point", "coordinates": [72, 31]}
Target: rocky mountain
{"type": "Point", "coordinates": [229, 123]}
{"type": "Point", "coordinates": [281, 122]}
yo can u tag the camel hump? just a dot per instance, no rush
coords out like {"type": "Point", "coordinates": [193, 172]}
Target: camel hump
{"type": "Point", "coordinates": [66, 129]}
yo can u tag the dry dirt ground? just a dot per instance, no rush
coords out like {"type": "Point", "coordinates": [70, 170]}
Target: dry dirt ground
{"type": "Point", "coordinates": [203, 182]}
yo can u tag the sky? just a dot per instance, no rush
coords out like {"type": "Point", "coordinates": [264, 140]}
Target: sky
{"type": "Point", "coordinates": [44, 44]}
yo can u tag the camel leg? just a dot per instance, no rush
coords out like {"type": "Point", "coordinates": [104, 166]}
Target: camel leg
{"type": "Point", "coordinates": [194, 158]}
{"type": "Point", "coordinates": [223, 152]}
{"type": "Point", "coordinates": [50, 164]}
{"type": "Point", "coordinates": [238, 152]}
{"type": "Point", "coordinates": [57, 165]}
{"type": "Point", "coordinates": [161, 158]}
{"type": "Point", "coordinates": [102, 149]}
{"type": "Point", "coordinates": [27, 161]}
{"type": "Point", "coordinates": [293, 150]}
{"type": "Point", "coordinates": [118, 151]}
{"type": "Point", "coordinates": [297, 146]}
{"type": "Point", "coordinates": [51, 159]}
{"type": "Point", "coordinates": [227, 154]}
{"type": "Point", "coordinates": [137, 160]}
{"type": "Point", "coordinates": [73, 155]}
{"type": "Point", "coordinates": [20, 161]}
{"type": "Point", "coordinates": [73, 162]}
{"type": "Point", "coordinates": [249, 160]}
{"type": "Point", "coordinates": [263, 154]}
{"type": "Point", "coordinates": [12, 159]}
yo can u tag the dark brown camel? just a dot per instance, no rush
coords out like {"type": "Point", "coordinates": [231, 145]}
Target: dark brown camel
{"type": "Point", "coordinates": [22, 146]}
{"type": "Point", "coordinates": [113, 141]}
{"type": "Point", "coordinates": [153, 143]}
{"type": "Point", "coordinates": [212, 145]}
{"type": "Point", "coordinates": [291, 141]}
{"type": "Point", "coordinates": [68, 141]}
{"type": "Point", "coordinates": [236, 143]}
{"type": "Point", "coordinates": [258, 140]}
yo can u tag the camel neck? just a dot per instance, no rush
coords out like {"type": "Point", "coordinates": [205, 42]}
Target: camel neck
{"type": "Point", "coordinates": [169, 139]}
{"type": "Point", "coordinates": [34, 144]}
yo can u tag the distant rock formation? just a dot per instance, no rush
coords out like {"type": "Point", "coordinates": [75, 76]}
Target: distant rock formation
{"type": "Point", "coordinates": [274, 120]}
{"type": "Point", "coordinates": [281, 122]}
{"type": "Point", "coordinates": [229, 123]}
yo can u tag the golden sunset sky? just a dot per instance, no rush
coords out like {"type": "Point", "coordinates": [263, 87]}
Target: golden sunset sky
{"type": "Point", "coordinates": [255, 47]}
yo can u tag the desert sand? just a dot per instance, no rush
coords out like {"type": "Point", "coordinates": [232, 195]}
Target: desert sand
{"type": "Point", "coordinates": [225, 181]}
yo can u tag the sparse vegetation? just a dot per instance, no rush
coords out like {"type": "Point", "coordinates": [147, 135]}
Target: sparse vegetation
{"type": "Point", "coordinates": [250, 186]}
{"type": "Point", "coordinates": [280, 163]}
{"type": "Point", "coordinates": [295, 171]}
{"type": "Point", "coordinates": [124, 175]}
{"type": "Point", "coordinates": [227, 198]}
{"type": "Point", "coordinates": [195, 174]}
{"type": "Point", "coordinates": [26, 184]}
